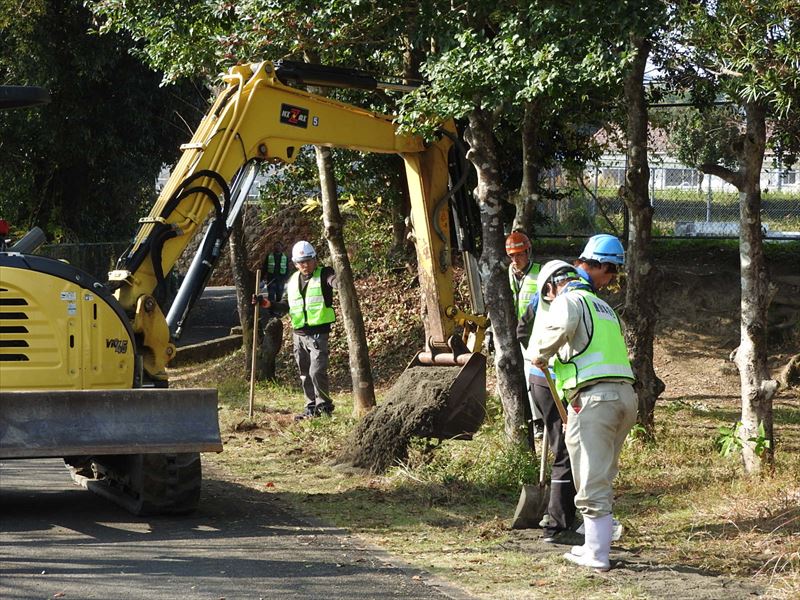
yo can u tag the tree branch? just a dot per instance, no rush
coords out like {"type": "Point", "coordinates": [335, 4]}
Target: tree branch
{"type": "Point", "coordinates": [727, 175]}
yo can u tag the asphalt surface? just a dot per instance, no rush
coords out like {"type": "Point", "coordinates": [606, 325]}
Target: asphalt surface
{"type": "Point", "coordinates": [58, 540]}
{"type": "Point", "coordinates": [211, 317]}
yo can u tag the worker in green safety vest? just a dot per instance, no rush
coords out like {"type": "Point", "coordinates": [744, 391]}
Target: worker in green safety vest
{"type": "Point", "coordinates": [522, 273]}
{"type": "Point", "coordinates": [308, 298]}
{"type": "Point", "coordinates": [275, 271]}
{"type": "Point", "coordinates": [582, 334]}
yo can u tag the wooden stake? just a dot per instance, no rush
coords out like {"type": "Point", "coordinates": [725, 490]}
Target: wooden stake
{"type": "Point", "coordinates": [255, 344]}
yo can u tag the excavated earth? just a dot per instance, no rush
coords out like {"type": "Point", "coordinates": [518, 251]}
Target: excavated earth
{"type": "Point", "coordinates": [381, 438]}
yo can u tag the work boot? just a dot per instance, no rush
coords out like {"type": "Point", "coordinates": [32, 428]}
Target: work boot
{"type": "Point", "coordinates": [597, 545]}
{"type": "Point", "coordinates": [616, 529]}
{"type": "Point", "coordinates": [560, 536]}
{"type": "Point", "coordinates": [325, 410]}
{"type": "Point", "coordinates": [308, 413]}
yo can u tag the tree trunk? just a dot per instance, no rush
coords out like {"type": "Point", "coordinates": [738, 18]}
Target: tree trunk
{"type": "Point", "coordinates": [641, 311]}
{"type": "Point", "coordinates": [494, 276]}
{"type": "Point", "coordinates": [757, 389]}
{"type": "Point", "coordinates": [401, 209]}
{"type": "Point", "coordinates": [360, 371]}
{"type": "Point", "coordinates": [528, 195]}
{"type": "Point", "coordinates": [243, 279]}
{"type": "Point", "coordinates": [271, 342]}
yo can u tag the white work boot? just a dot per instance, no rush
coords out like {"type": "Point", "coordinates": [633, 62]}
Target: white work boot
{"type": "Point", "coordinates": [595, 550]}
{"type": "Point", "coordinates": [616, 534]}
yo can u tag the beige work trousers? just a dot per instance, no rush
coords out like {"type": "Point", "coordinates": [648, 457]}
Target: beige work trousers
{"type": "Point", "coordinates": [595, 434]}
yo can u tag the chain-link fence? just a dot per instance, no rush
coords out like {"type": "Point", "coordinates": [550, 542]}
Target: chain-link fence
{"type": "Point", "coordinates": [686, 202]}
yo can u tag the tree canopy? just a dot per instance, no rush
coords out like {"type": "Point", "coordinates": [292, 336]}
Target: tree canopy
{"type": "Point", "coordinates": [83, 167]}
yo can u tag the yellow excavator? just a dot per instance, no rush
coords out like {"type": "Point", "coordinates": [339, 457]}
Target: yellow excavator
{"type": "Point", "coordinates": [83, 362]}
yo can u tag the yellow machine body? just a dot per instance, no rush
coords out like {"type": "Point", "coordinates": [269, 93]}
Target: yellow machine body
{"type": "Point", "coordinates": [57, 334]}
{"type": "Point", "coordinates": [71, 346]}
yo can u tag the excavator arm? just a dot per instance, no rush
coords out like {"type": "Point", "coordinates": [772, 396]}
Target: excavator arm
{"type": "Point", "coordinates": [259, 118]}
{"type": "Point", "coordinates": [83, 365]}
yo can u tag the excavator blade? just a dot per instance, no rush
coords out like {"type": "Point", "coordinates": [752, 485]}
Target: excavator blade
{"type": "Point", "coordinates": [459, 383]}
{"type": "Point", "coordinates": [60, 423]}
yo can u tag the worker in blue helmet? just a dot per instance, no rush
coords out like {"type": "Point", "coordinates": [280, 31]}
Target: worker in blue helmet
{"type": "Point", "coordinates": [581, 335]}
{"type": "Point", "coordinates": [601, 259]}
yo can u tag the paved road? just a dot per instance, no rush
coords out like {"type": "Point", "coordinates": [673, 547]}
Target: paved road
{"type": "Point", "coordinates": [212, 316]}
{"type": "Point", "coordinates": [60, 541]}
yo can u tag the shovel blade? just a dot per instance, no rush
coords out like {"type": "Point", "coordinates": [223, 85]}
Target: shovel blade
{"type": "Point", "coordinates": [531, 506]}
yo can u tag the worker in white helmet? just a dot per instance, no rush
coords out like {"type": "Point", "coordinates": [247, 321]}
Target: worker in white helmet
{"type": "Point", "coordinates": [308, 298]}
{"type": "Point", "coordinates": [583, 336]}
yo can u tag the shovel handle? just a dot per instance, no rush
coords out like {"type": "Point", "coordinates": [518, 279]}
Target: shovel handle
{"type": "Point", "coordinates": [543, 459]}
{"type": "Point", "coordinates": [559, 405]}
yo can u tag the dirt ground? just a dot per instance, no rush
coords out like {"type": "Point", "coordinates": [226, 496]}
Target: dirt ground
{"type": "Point", "coordinates": [698, 329]}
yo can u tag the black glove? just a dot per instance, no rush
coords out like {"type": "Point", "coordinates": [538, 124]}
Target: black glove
{"type": "Point", "coordinates": [256, 299]}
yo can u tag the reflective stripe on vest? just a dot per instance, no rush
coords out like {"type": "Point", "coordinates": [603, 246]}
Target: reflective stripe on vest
{"type": "Point", "coordinates": [524, 290]}
{"type": "Point", "coordinates": [311, 309]}
{"type": "Point", "coordinates": [271, 264]}
{"type": "Point", "coordinates": [605, 356]}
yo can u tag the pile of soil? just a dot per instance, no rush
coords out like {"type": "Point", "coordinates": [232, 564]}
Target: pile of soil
{"type": "Point", "coordinates": [411, 406]}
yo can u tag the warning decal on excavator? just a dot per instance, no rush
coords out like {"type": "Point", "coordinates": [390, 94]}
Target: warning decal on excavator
{"type": "Point", "coordinates": [294, 115]}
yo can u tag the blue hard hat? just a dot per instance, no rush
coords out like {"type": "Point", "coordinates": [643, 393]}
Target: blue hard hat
{"type": "Point", "coordinates": [604, 248]}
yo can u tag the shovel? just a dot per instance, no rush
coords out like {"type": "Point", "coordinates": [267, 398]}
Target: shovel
{"type": "Point", "coordinates": [534, 499]}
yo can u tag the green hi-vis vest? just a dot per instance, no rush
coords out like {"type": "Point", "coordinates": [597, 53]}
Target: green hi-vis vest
{"type": "Point", "coordinates": [311, 309]}
{"type": "Point", "coordinates": [525, 289]}
{"type": "Point", "coordinates": [606, 354]}
{"type": "Point", "coordinates": [271, 264]}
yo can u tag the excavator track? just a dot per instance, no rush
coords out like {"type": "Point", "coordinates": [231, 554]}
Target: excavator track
{"type": "Point", "coordinates": [143, 484]}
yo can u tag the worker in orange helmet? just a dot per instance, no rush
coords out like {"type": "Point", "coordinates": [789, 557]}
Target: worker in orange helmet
{"type": "Point", "coordinates": [522, 274]}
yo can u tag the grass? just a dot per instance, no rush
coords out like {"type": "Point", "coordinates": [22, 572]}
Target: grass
{"type": "Point", "coordinates": [447, 509]}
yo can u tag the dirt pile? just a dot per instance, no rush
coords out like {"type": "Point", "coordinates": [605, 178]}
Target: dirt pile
{"type": "Point", "coordinates": [412, 405]}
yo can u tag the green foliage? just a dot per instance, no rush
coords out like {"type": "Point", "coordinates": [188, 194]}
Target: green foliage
{"type": "Point", "coordinates": [498, 57]}
{"type": "Point", "coordinates": [370, 185]}
{"type": "Point", "coordinates": [487, 464]}
{"type": "Point", "coordinates": [184, 38]}
{"type": "Point", "coordinates": [729, 441]}
{"type": "Point", "coordinates": [750, 52]}
{"type": "Point", "coordinates": [704, 137]}
{"type": "Point", "coordinates": [83, 167]}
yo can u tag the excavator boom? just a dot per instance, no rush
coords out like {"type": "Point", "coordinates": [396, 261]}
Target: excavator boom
{"type": "Point", "coordinates": [83, 364]}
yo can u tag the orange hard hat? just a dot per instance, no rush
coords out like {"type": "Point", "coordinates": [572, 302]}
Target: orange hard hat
{"type": "Point", "coordinates": [517, 242]}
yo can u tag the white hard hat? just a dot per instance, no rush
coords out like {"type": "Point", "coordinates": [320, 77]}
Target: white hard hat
{"type": "Point", "coordinates": [555, 270]}
{"type": "Point", "coordinates": [302, 250]}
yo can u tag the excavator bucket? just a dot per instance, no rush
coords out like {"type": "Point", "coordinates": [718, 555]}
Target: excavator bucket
{"type": "Point", "coordinates": [456, 387]}
{"type": "Point", "coordinates": [39, 424]}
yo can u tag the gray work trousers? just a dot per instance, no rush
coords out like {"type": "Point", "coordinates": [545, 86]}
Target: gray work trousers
{"type": "Point", "coordinates": [595, 434]}
{"type": "Point", "coordinates": [311, 356]}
